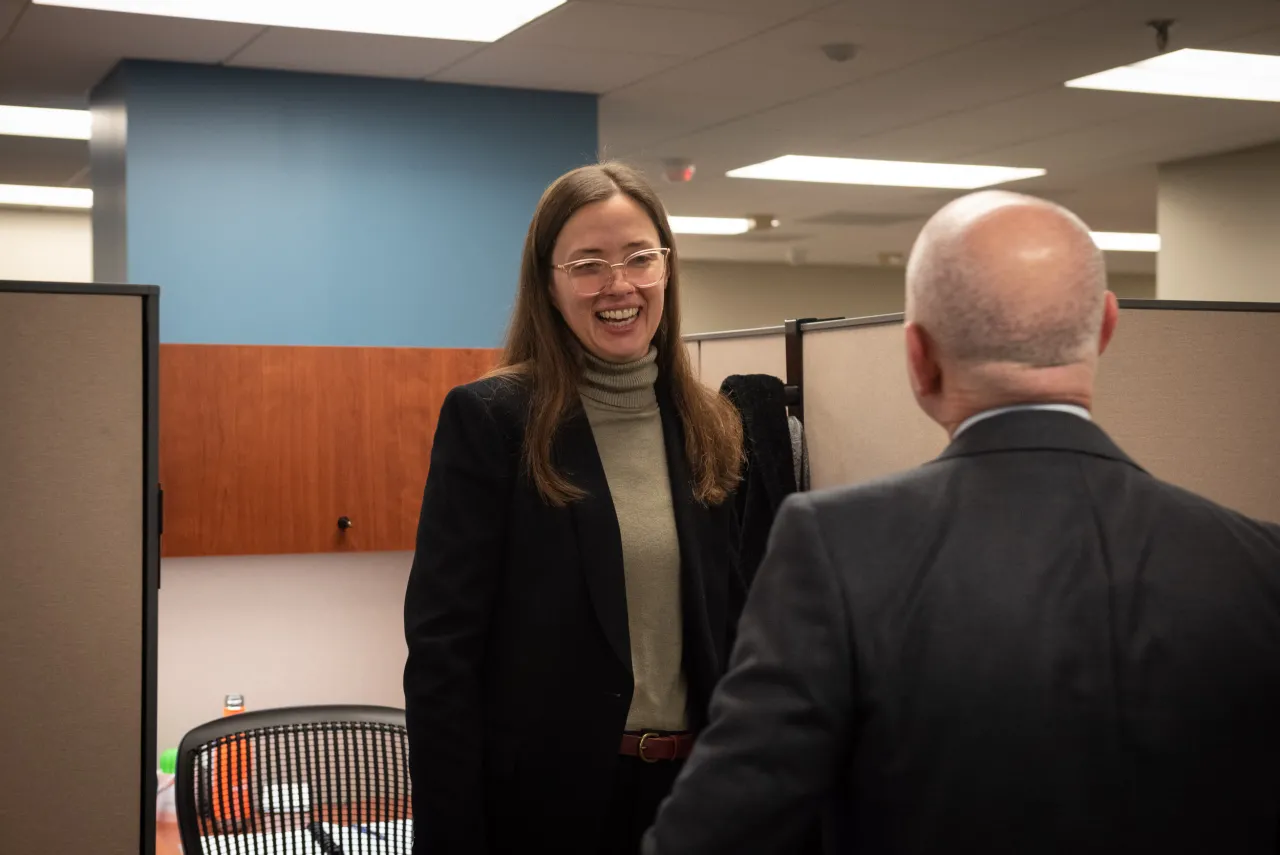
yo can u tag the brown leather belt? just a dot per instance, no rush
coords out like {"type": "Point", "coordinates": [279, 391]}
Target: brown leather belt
{"type": "Point", "coordinates": [653, 747]}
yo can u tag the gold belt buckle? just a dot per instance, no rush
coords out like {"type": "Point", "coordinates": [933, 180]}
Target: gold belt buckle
{"type": "Point", "coordinates": [640, 748]}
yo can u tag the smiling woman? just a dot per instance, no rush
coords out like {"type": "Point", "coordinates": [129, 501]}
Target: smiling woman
{"type": "Point", "coordinates": [575, 590]}
{"type": "Point", "coordinates": [612, 308]}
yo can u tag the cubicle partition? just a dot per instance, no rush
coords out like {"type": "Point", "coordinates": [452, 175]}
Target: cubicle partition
{"type": "Point", "coordinates": [1190, 390]}
{"type": "Point", "coordinates": [79, 564]}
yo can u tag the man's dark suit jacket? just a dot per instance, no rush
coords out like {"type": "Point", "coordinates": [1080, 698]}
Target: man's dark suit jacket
{"type": "Point", "coordinates": [1029, 645]}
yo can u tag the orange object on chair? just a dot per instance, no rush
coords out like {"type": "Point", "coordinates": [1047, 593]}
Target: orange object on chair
{"type": "Point", "coordinates": [232, 764]}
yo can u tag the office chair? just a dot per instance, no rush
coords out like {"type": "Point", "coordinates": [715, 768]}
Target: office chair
{"type": "Point", "coordinates": [324, 780]}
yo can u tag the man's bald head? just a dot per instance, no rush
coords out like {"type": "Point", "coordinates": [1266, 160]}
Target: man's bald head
{"type": "Point", "coordinates": [1002, 278]}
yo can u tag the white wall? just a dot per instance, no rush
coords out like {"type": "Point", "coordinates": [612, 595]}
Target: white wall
{"type": "Point", "coordinates": [718, 295]}
{"type": "Point", "coordinates": [1219, 220]}
{"type": "Point", "coordinates": [282, 630]}
{"type": "Point", "coordinates": [46, 246]}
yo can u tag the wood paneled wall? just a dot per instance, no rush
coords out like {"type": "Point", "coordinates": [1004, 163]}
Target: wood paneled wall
{"type": "Point", "coordinates": [263, 449]}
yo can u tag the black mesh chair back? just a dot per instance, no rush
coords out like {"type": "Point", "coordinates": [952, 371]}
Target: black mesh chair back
{"type": "Point", "coordinates": [326, 780]}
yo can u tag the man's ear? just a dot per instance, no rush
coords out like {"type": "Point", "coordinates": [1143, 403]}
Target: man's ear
{"type": "Point", "coordinates": [1110, 319]}
{"type": "Point", "coordinates": [922, 363]}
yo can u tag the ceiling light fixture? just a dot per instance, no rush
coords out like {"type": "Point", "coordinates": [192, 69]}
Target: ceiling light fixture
{"type": "Point", "coordinates": [1126, 241]}
{"type": "Point", "coordinates": [43, 122]}
{"type": "Point", "coordinates": [469, 21]}
{"type": "Point", "coordinates": [45, 197]}
{"type": "Point", "coordinates": [882, 173]}
{"type": "Point", "coordinates": [1195, 74]}
{"type": "Point", "coordinates": [710, 225]}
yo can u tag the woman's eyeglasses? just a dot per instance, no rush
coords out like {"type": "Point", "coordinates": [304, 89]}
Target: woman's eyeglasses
{"type": "Point", "coordinates": [591, 276]}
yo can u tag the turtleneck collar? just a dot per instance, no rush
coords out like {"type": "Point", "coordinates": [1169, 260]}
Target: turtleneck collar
{"type": "Point", "coordinates": [626, 385]}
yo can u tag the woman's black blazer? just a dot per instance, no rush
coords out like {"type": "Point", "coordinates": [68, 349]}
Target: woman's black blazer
{"type": "Point", "coordinates": [519, 679]}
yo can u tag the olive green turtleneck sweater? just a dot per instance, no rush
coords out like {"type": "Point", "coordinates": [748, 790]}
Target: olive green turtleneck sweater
{"type": "Point", "coordinates": [622, 408]}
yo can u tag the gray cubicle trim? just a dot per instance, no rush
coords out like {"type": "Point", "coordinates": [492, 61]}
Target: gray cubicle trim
{"type": "Point", "coordinates": [898, 317]}
{"type": "Point", "coordinates": [748, 333]}
{"type": "Point", "coordinates": [1198, 305]}
{"type": "Point", "coordinates": [22, 286]}
{"type": "Point", "coordinates": [1167, 305]}
{"type": "Point", "coordinates": [151, 517]}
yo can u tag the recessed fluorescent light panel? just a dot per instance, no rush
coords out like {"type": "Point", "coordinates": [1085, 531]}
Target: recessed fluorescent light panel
{"type": "Point", "coordinates": [1196, 74]}
{"type": "Point", "coordinates": [883, 173]}
{"type": "Point", "coordinates": [45, 197]}
{"type": "Point", "coordinates": [709, 225]}
{"type": "Point", "coordinates": [460, 20]}
{"type": "Point", "coordinates": [1126, 242]}
{"type": "Point", "coordinates": [41, 122]}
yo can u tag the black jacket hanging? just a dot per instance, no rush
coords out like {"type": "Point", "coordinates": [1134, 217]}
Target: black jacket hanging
{"type": "Point", "coordinates": [769, 474]}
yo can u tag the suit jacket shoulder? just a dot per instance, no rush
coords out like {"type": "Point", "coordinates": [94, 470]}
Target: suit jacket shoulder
{"type": "Point", "coordinates": [892, 501]}
{"type": "Point", "coordinates": [505, 397]}
{"type": "Point", "coordinates": [501, 400]}
{"type": "Point", "coordinates": [1182, 505]}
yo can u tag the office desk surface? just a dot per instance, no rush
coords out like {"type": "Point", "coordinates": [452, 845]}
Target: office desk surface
{"type": "Point", "coordinates": [167, 840]}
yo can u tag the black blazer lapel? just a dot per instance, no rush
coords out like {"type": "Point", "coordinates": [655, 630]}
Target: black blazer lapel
{"type": "Point", "coordinates": [596, 525]}
{"type": "Point", "coordinates": [702, 608]}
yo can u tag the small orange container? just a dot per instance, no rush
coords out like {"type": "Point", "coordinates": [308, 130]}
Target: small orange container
{"type": "Point", "coordinates": [233, 763]}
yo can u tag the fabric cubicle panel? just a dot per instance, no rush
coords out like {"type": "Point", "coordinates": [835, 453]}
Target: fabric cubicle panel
{"type": "Point", "coordinates": [75, 648]}
{"type": "Point", "coordinates": [748, 352]}
{"type": "Point", "coordinates": [1189, 390]}
{"type": "Point", "coordinates": [859, 415]}
{"type": "Point", "coordinates": [1193, 395]}
{"type": "Point", "coordinates": [694, 349]}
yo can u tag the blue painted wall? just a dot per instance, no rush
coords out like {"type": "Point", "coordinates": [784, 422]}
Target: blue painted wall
{"type": "Point", "coordinates": [280, 208]}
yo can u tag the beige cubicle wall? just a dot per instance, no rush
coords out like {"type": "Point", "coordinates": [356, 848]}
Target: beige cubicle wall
{"type": "Point", "coordinates": [78, 562]}
{"type": "Point", "coordinates": [694, 349]}
{"type": "Point", "coordinates": [859, 416]}
{"type": "Point", "coordinates": [1190, 390]}
{"type": "Point", "coordinates": [1194, 396]}
{"type": "Point", "coordinates": [760, 351]}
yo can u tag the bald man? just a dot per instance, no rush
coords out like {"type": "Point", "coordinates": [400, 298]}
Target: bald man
{"type": "Point", "coordinates": [1029, 645]}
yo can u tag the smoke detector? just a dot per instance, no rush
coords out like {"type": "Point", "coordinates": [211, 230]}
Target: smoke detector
{"type": "Point", "coordinates": [840, 51]}
{"type": "Point", "coordinates": [678, 170]}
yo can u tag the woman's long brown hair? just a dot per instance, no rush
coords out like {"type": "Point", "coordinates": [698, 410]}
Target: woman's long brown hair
{"type": "Point", "coordinates": [542, 351]}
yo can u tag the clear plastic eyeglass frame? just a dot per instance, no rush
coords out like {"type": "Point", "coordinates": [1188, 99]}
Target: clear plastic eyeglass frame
{"type": "Point", "coordinates": [584, 272]}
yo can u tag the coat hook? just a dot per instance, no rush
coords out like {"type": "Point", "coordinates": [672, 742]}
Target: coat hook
{"type": "Point", "coordinates": [344, 523]}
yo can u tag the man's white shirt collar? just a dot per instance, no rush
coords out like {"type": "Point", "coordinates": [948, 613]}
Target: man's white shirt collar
{"type": "Point", "coordinates": [1000, 411]}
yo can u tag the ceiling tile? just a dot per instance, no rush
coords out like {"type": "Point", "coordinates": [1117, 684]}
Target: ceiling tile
{"type": "Point", "coordinates": [9, 12]}
{"type": "Point", "coordinates": [554, 68]}
{"type": "Point", "coordinates": [53, 163]}
{"type": "Point", "coordinates": [772, 11]}
{"type": "Point", "coordinates": [54, 56]}
{"type": "Point", "coordinates": [637, 29]}
{"type": "Point", "coordinates": [1025, 119]}
{"type": "Point", "coordinates": [113, 35]}
{"type": "Point", "coordinates": [1187, 128]}
{"type": "Point", "coordinates": [860, 219]}
{"type": "Point", "coordinates": [781, 67]}
{"type": "Point", "coordinates": [52, 78]}
{"type": "Point", "coordinates": [970, 19]}
{"type": "Point", "coordinates": [351, 53]}
{"type": "Point", "coordinates": [955, 83]}
{"type": "Point", "coordinates": [1263, 41]}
